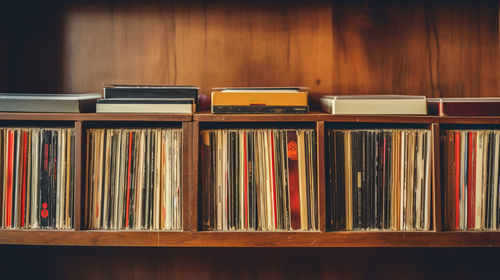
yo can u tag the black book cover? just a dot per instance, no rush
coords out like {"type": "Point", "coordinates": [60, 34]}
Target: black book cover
{"type": "Point", "coordinates": [388, 179]}
{"type": "Point", "coordinates": [151, 92]}
{"type": "Point", "coordinates": [313, 175]}
{"type": "Point", "coordinates": [340, 184]}
{"type": "Point", "coordinates": [145, 101]}
{"type": "Point", "coordinates": [490, 186]}
{"type": "Point", "coordinates": [54, 176]}
{"type": "Point", "coordinates": [489, 178]}
{"type": "Point", "coordinates": [379, 179]}
{"type": "Point", "coordinates": [43, 202]}
{"type": "Point", "coordinates": [368, 182]}
{"type": "Point", "coordinates": [330, 164]}
{"type": "Point", "coordinates": [229, 181]}
{"type": "Point", "coordinates": [362, 188]}
{"type": "Point", "coordinates": [356, 177]}
{"type": "Point", "coordinates": [373, 186]}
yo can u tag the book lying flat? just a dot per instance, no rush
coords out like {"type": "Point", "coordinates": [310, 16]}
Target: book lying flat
{"type": "Point", "coordinates": [489, 106]}
{"type": "Point", "coordinates": [48, 103]}
{"type": "Point", "coordinates": [374, 104]}
{"type": "Point", "coordinates": [288, 100]}
{"type": "Point", "coordinates": [151, 105]}
{"type": "Point", "coordinates": [150, 91]}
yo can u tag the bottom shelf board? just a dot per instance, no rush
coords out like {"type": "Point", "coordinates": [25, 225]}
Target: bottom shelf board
{"type": "Point", "coordinates": [250, 239]}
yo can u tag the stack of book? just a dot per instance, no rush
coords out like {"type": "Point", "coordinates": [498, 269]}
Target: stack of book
{"type": "Point", "coordinates": [471, 179]}
{"type": "Point", "coordinates": [148, 99]}
{"type": "Point", "coordinates": [37, 178]}
{"type": "Point", "coordinates": [379, 179]}
{"type": "Point", "coordinates": [374, 104]}
{"type": "Point", "coordinates": [288, 100]}
{"type": "Point", "coordinates": [259, 179]}
{"type": "Point", "coordinates": [134, 179]}
{"type": "Point", "coordinates": [48, 103]}
{"type": "Point", "coordinates": [482, 106]}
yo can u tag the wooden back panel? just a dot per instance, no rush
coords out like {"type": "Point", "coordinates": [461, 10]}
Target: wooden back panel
{"type": "Point", "coordinates": [357, 47]}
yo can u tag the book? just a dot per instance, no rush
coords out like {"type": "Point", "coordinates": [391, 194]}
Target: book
{"type": "Point", "coordinates": [150, 91]}
{"type": "Point", "coordinates": [374, 104]}
{"type": "Point", "coordinates": [259, 100]}
{"type": "Point", "coordinates": [150, 105]}
{"type": "Point", "coordinates": [48, 103]}
{"type": "Point", "coordinates": [487, 106]}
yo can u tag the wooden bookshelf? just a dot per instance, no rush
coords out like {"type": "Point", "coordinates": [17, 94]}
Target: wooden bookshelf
{"type": "Point", "coordinates": [434, 48]}
{"type": "Point", "coordinates": [192, 236]}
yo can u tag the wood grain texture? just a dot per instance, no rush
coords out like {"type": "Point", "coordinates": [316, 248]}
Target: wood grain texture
{"type": "Point", "coordinates": [48, 262]}
{"type": "Point", "coordinates": [438, 48]}
{"type": "Point", "coordinates": [250, 239]}
{"type": "Point", "coordinates": [208, 45]}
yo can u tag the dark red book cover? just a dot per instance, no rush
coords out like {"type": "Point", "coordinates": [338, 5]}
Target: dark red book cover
{"type": "Point", "coordinates": [293, 179]}
{"type": "Point", "coordinates": [457, 180]}
{"type": "Point", "coordinates": [464, 106]}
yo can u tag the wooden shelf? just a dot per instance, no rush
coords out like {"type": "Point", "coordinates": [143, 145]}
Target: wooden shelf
{"type": "Point", "coordinates": [95, 117]}
{"type": "Point", "coordinates": [250, 239]}
{"type": "Point", "coordinates": [209, 117]}
{"type": "Point", "coordinates": [191, 237]}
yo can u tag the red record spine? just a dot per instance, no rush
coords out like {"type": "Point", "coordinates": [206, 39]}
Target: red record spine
{"type": "Point", "coordinates": [128, 179]}
{"type": "Point", "coordinates": [293, 179]}
{"type": "Point", "coordinates": [457, 180]}
{"type": "Point", "coordinates": [273, 181]}
{"type": "Point", "coordinates": [8, 211]}
{"type": "Point", "coordinates": [245, 178]}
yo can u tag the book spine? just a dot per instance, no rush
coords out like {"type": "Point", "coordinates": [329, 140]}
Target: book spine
{"type": "Point", "coordinates": [223, 109]}
{"type": "Point", "coordinates": [293, 179]}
